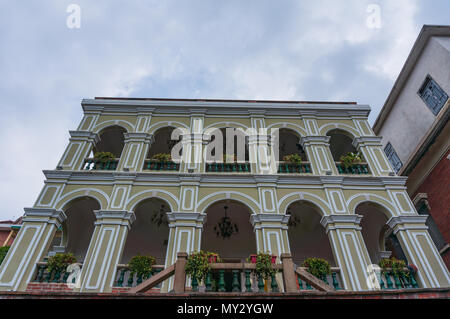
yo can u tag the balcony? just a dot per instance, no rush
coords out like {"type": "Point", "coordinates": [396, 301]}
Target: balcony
{"type": "Point", "coordinates": [355, 169]}
{"type": "Point", "coordinates": [228, 167]}
{"type": "Point", "coordinates": [291, 168]}
{"type": "Point", "coordinates": [91, 164]}
{"type": "Point", "coordinates": [55, 276]}
{"type": "Point", "coordinates": [155, 165]}
{"type": "Point", "coordinates": [124, 278]}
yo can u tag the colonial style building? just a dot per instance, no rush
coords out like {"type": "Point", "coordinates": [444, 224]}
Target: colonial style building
{"type": "Point", "coordinates": [106, 212]}
{"type": "Point", "coordinates": [416, 131]}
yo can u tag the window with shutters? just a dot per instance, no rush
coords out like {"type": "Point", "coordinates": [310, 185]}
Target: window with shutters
{"type": "Point", "coordinates": [433, 95]}
{"type": "Point", "coordinates": [393, 157]}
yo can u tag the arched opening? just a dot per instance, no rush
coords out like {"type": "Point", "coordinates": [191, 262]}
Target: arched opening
{"type": "Point", "coordinates": [231, 246]}
{"type": "Point", "coordinates": [76, 231]}
{"type": "Point", "coordinates": [149, 233]}
{"type": "Point", "coordinates": [291, 155]}
{"type": "Point", "coordinates": [159, 156]}
{"type": "Point", "coordinates": [227, 151]}
{"type": "Point", "coordinates": [340, 143]}
{"type": "Point", "coordinates": [289, 143]}
{"type": "Point", "coordinates": [307, 237]}
{"type": "Point", "coordinates": [112, 140]}
{"type": "Point", "coordinates": [238, 246]}
{"type": "Point", "coordinates": [107, 151]}
{"type": "Point", "coordinates": [378, 237]}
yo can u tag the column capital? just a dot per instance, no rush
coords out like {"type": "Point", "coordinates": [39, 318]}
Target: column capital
{"type": "Point", "coordinates": [114, 217]}
{"type": "Point", "coordinates": [316, 140]}
{"type": "Point", "coordinates": [399, 223]}
{"type": "Point", "coordinates": [265, 220]}
{"type": "Point", "coordinates": [366, 141]}
{"type": "Point", "coordinates": [139, 137]}
{"type": "Point", "coordinates": [85, 136]}
{"type": "Point", "coordinates": [190, 219]}
{"type": "Point", "coordinates": [49, 216]}
{"type": "Point", "coordinates": [331, 222]}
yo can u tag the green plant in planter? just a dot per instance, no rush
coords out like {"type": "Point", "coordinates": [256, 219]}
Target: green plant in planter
{"type": "Point", "coordinates": [198, 265]}
{"type": "Point", "coordinates": [264, 266]}
{"type": "Point", "coordinates": [104, 156]}
{"type": "Point", "coordinates": [317, 267]}
{"type": "Point", "coordinates": [3, 251]}
{"type": "Point", "coordinates": [396, 265]}
{"type": "Point", "coordinates": [293, 159]}
{"type": "Point", "coordinates": [60, 261]}
{"type": "Point", "coordinates": [350, 159]}
{"type": "Point", "coordinates": [141, 265]}
{"type": "Point", "coordinates": [162, 157]}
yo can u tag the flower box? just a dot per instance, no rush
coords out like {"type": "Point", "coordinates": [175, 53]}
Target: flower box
{"type": "Point", "coordinates": [274, 259]}
{"type": "Point", "coordinates": [212, 259]}
{"type": "Point", "coordinates": [253, 259]}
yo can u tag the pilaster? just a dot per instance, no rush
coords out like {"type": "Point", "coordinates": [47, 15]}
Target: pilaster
{"type": "Point", "coordinates": [318, 150]}
{"type": "Point", "coordinates": [135, 151]}
{"type": "Point", "coordinates": [32, 242]}
{"type": "Point", "coordinates": [349, 250]}
{"type": "Point", "coordinates": [80, 145]}
{"type": "Point", "coordinates": [371, 149]}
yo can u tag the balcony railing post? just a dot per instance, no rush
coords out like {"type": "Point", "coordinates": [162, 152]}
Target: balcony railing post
{"type": "Point", "coordinates": [180, 274]}
{"type": "Point", "coordinates": [289, 277]}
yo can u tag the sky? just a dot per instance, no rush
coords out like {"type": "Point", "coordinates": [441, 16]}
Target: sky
{"type": "Point", "coordinates": [51, 58]}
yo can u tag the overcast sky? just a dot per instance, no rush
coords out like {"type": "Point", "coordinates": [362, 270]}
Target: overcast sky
{"type": "Point", "coordinates": [291, 50]}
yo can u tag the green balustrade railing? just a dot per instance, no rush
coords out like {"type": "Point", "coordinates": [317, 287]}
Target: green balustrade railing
{"type": "Point", "coordinates": [228, 167]}
{"type": "Point", "coordinates": [389, 280]}
{"type": "Point", "coordinates": [290, 168]}
{"type": "Point", "coordinates": [332, 279]}
{"type": "Point", "coordinates": [355, 169]}
{"type": "Point", "coordinates": [94, 164]}
{"type": "Point", "coordinates": [124, 278]}
{"type": "Point", "coordinates": [56, 276]}
{"type": "Point", "coordinates": [152, 165]}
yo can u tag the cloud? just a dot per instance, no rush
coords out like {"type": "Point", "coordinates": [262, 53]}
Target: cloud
{"type": "Point", "coordinates": [308, 50]}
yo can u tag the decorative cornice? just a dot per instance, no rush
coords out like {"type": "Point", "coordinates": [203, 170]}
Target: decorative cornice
{"type": "Point", "coordinates": [414, 222]}
{"type": "Point", "coordinates": [367, 140]}
{"type": "Point", "coordinates": [277, 220]}
{"type": "Point", "coordinates": [238, 178]}
{"type": "Point", "coordinates": [133, 106]}
{"type": "Point", "coordinates": [84, 136]}
{"type": "Point", "coordinates": [114, 217]}
{"type": "Point", "coordinates": [308, 140]}
{"type": "Point", "coordinates": [139, 137]}
{"type": "Point", "coordinates": [331, 222]}
{"type": "Point", "coordinates": [50, 216]}
{"type": "Point", "coordinates": [179, 219]}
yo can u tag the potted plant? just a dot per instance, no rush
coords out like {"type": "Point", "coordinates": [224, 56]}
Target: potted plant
{"type": "Point", "coordinates": [293, 159]}
{"type": "Point", "coordinates": [212, 257]}
{"type": "Point", "coordinates": [317, 267]}
{"type": "Point", "coordinates": [274, 259]}
{"type": "Point", "coordinates": [162, 157]}
{"type": "Point", "coordinates": [142, 266]}
{"type": "Point", "coordinates": [396, 266]}
{"type": "Point", "coordinates": [3, 252]}
{"type": "Point", "coordinates": [350, 159]}
{"type": "Point", "coordinates": [198, 264]}
{"type": "Point", "coordinates": [252, 259]}
{"type": "Point", "coordinates": [104, 156]}
{"type": "Point", "coordinates": [264, 266]}
{"type": "Point", "coordinates": [60, 261]}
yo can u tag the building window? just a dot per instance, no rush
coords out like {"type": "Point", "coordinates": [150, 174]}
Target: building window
{"type": "Point", "coordinates": [433, 95]}
{"type": "Point", "coordinates": [393, 157]}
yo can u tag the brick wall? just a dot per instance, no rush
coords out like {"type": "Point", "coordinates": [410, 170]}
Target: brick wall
{"type": "Point", "coordinates": [437, 186]}
{"type": "Point", "coordinates": [47, 287]}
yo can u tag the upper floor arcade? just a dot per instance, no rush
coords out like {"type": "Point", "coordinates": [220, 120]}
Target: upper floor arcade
{"type": "Point", "coordinates": [225, 137]}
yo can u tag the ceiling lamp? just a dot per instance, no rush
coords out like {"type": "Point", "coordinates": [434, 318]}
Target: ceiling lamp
{"type": "Point", "coordinates": [225, 228]}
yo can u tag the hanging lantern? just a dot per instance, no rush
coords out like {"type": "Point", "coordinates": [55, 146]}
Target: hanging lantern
{"type": "Point", "coordinates": [225, 228]}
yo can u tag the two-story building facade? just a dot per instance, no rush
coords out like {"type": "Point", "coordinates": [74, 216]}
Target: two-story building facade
{"type": "Point", "coordinates": [106, 212]}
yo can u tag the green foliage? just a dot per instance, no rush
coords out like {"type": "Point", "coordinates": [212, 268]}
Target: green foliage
{"type": "Point", "coordinates": [198, 265]}
{"type": "Point", "coordinates": [3, 252]}
{"type": "Point", "coordinates": [141, 265]}
{"type": "Point", "coordinates": [293, 159]}
{"type": "Point", "coordinates": [317, 267]}
{"type": "Point", "coordinates": [264, 266]}
{"type": "Point", "coordinates": [104, 156]}
{"type": "Point", "coordinates": [395, 265]}
{"type": "Point", "coordinates": [60, 261]}
{"type": "Point", "coordinates": [162, 157]}
{"type": "Point", "coordinates": [350, 159]}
